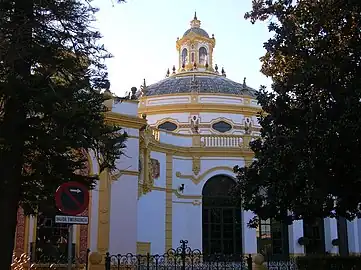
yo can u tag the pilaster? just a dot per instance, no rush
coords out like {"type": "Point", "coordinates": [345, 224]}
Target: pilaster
{"type": "Point", "coordinates": [168, 202]}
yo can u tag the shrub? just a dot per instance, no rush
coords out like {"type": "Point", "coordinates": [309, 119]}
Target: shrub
{"type": "Point", "coordinates": [329, 262]}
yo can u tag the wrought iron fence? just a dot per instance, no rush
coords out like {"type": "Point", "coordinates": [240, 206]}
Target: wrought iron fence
{"type": "Point", "coordinates": [178, 259]}
{"type": "Point", "coordinates": [289, 264]}
{"type": "Point", "coordinates": [44, 262]}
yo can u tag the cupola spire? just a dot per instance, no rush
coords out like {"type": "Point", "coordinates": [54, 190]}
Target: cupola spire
{"type": "Point", "coordinates": [195, 23]}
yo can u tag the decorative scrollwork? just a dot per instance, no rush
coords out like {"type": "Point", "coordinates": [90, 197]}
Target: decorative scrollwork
{"type": "Point", "coordinates": [180, 258]}
{"type": "Point", "coordinates": [45, 262]}
{"type": "Point", "coordinates": [289, 264]}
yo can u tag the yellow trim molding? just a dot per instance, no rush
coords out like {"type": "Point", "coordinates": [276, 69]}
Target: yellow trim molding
{"type": "Point", "coordinates": [198, 107]}
{"type": "Point", "coordinates": [126, 121]}
{"type": "Point", "coordinates": [202, 151]}
{"type": "Point", "coordinates": [176, 192]}
{"type": "Point", "coordinates": [104, 212]}
{"type": "Point", "coordinates": [197, 179]}
{"type": "Point", "coordinates": [168, 202]}
{"type": "Point", "coordinates": [194, 202]}
{"type": "Point", "coordinates": [27, 235]}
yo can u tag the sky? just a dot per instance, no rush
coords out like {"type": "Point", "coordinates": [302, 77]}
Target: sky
{"type": "Point", "coordinates": [142, 34]}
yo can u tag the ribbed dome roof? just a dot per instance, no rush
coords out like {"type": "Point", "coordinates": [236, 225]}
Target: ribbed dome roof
{"type": "Point", "coordinates": [196, 30]}
{"type": "Point", "coordinates": [202, 83]}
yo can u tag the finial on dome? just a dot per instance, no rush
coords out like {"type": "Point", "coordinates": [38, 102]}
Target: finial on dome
{"type": "Point", "coordinates": [143, 88]}
{"type": "Point", "coordinates": [168, 72]}
{"type": "Point", "coordinates": [173, 69]}
{"type": "Point", "coordinates": [244, 82]}
{"type": "Point", "coordinates": [195, 23]}
{"type": "Point", "coordinates": [216, 68]}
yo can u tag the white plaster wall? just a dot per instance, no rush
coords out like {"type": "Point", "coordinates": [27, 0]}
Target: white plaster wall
{"type": "Point", "coordinates": [151, 211]}
{"type": "Point", "coordinates": [123, 215]}
{"type": "Point", "coordinates": [32, 239]}
{"type": "Point", "coordinates": [249, 235]}
{"type": "Point", "coordinates": [167, 100]}
{"type": "Point", "coordinates": [187, 223]}
{"type": "Point", "coordinates": [203, 98]}
{"type": "Point", "coordinates": [295, 231]}
{"type": "Point", "coordinates": [131, 132]}
{"type": "Point", "coordinates": [130, 160]}
{"type": "Point", "coordinates": [178, 117]}
{"type": "Point", "coordinates": [213, 99]}
{"type": "Point", "coordinates": [151, 220]}
{"type": "Point", "coordinates": [126, 107]}
{"type": "Point", "coordinates": [94, 217]}
{"type": "Point", "coordinates": [179, 223]}
{"type": "Point", "coordinates": [169, 138]}
{"type": "Point", "coordinates": [353, 236]}
{"type": "Point", "coordinates": [358, 222]}
{"type": "Point", "coordinates": [211, 117]}
{"type": "Point", "coordinates": [330, 234]}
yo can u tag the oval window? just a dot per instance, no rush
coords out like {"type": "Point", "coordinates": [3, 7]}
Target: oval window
{"type": "Point", "coordinates": [168, 126]}
{"type": "Point", "coordinates": [222, 126]}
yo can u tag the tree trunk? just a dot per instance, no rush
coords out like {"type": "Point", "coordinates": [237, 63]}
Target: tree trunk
{"type": "Point", "coordinates": [14, 123]}
{"type": "Point", "coordinates": [8, 210]}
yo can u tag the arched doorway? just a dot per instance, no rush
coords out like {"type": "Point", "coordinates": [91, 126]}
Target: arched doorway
{"type": "Point", "coordinates": [221, 220]}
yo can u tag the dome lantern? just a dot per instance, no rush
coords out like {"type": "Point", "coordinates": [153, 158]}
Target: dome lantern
{"type": "Point", "coordinates": [195, 48]}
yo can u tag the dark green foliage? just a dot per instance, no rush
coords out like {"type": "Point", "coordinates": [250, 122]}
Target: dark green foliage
{"type": "Point", "coordinates": [309, 156]}
{"type": "Point", "coordinates": [51, 74]}
{"type": "Point", "coordinates": [60, 100]}
{"type": "Point", "coordinates": [329, 262]}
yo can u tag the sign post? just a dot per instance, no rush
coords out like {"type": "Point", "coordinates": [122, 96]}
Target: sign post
{"type": "Point", "coordinates": [70, 247]}
{"type": "Point", "coordinates": [72, 199]}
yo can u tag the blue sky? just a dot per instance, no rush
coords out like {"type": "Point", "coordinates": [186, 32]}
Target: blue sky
{"type": "Point", "coordinates": [141, 34]}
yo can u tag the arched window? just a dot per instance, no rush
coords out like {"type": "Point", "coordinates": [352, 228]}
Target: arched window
{"type": "Point", "coordinates": [272, 239]}
{"type": "Point", "coordinates": [168, 126]}
{"type": "Point", "coordinates": [202, 55]}
{"type": "Point", "coordinates": [221, 219]}
{"type": "Point", "coordinates": [222, 126]}
{"type": "Point", "coordinates": [184, 56]}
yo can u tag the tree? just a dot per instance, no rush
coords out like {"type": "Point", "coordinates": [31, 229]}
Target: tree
{"type": "Point", "coordinates": [51, 75]}
{"type": "Point", "coordinates": [308, 158]}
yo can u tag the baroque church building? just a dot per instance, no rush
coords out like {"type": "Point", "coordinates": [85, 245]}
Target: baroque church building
{"type": "Point", "coordinates": [186, 133]}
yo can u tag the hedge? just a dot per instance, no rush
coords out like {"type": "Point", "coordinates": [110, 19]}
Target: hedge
{"type": "Point", "coordinates": [329, 262]}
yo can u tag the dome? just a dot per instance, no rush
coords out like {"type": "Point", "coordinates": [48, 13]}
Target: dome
{"type": "Point", "coordinates": [201, 83]}
{"type": "Point", "coordinates": [196, 30]}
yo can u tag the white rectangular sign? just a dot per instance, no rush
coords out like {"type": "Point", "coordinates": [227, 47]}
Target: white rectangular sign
{"type": "Point", "coordinates": [72, 220]}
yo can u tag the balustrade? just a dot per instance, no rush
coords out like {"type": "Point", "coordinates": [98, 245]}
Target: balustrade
{"type": "Point", "coordinates": [228, 141]}
{"type": "Point", "coordinates": [206, 140]}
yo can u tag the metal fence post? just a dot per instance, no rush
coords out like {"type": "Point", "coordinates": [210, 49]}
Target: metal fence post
{"type": "Point", "coordinates": [107, 261]}
{"type": "Point", "coordinates": [249, 262]}
{"type": "Point", "coordinates": [183, 254]}
{"type": "Point", "coordinates": [148, 260]}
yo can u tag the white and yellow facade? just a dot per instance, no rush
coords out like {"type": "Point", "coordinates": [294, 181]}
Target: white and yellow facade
{"type": "Point", "coordinates": [154, 199]}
